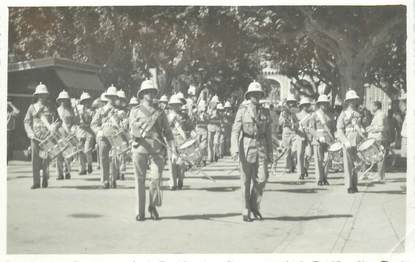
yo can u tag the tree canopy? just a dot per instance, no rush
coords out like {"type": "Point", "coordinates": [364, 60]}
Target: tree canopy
{"type": "Point", "coordinates": [222, 47]}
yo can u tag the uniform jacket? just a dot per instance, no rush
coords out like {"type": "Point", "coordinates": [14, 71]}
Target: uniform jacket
{"type": "Point", "coordinates": [321, 126]}
{"type": "Point", "coordinates": [33, 123]}
{"type": "Point", "coordinates": [303, 124]}
{"type": "Point", "coordinates": [289, 122]}
{"type": "Point", "coordinates": [251, 132]}
{"type": "Point", "coordinates": [378, 128]}
{"type": "Point", "coordinates": [85, 117]}
{"type": "Point", "coordinates": [152, 136]}
{"type": "Point", "coordinates": [349, 124]}
{"type": "Point", "coordinates": [214, 121]}
{"type": "Point", "coordinates": [103, 117]}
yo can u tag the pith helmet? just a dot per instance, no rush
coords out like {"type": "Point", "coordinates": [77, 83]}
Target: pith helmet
{"type": "Point", "coordinates": [228, 104]}
{"type": "Point", "coordinates": [111, 92]}
{"type": "Point", "coordinates": [41, 89]}
{"type": "Point", "coordinates": [163, 99]}
{"type": "Point", "coordinates": [84, 96]}
{"type": "Point", "coordinates": [175, 100]}
{"type": "Point", "coordinates": [291, 98]}
{"type": "Point", "coordinates": [323, 99]}
{"type": "Point", "coordinates": [133, 101]}
{"type": "Point", "coordinates": [146, 85]}
{"type": "Point", "coordinates": [63, 95]}
{"type": "Point", "coordinates": [351, 95]}
{"type": "Point", "coordinates": [121, 94]}
{"type": "Point", "coordinates": [254, 87]}
{"type": "Point", "coordinates": [305, 101]}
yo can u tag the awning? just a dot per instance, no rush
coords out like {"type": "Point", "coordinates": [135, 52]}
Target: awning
{"type": "Point", "coordinates": [82, 80]}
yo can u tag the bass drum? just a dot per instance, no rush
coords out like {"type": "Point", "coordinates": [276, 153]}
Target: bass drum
{"type": "Point", "coordinates": [190, 152]}
{"type": "Point", "coordinates": [336, 154]}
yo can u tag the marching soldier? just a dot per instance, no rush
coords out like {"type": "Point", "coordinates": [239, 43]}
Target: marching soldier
{"type": "Point", "coordinates": [149, 127]}
{"type": "Point", "coordinates": [85, 133]}
{"type": "Point", "coordinates": [67, 116]}
{"type": "Point", "coordinates": [288, 120]}
{"type": "Point", "coordinates": [227, 122]}
{"type": "Point", "coordinates": [202, 119]}
{"type": "Point", "coordinates": [252, 144]}
{"type": "Point", "coordinates": [38, 124]}
{"type": "Point", "coordinates": [301, 139]}
{"type": "Point", "coordinates": [350, 133]}
{"type": "Point", "coordinates": [103, 124]}
{"type": "Point", "coordinates": [122, 117]}
{"type": "Point", "coordinates": [175, 121]}
{"type": "Point", "coordinates": [321, 127]}
{"type": "Point", "coordinates": [163, 103]}
{"type": "Point", "coordinates": [378, 131]}
{"type": "Point", "coordinates": [221, 145]}
{"type": "Point", "coordinates": [133, 102]}
{"type": "Point", "coordinates": [213, 130]}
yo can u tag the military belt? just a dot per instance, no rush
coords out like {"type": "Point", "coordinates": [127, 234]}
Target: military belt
{"type": "Point", "coordinates": [258, 136]}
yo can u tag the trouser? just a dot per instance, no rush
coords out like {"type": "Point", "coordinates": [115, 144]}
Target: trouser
{"type": "Point", "coordinates": [288, 142]}
{"type": "Point", "coordinates": [108, 163]}
{"type": "Point", "coordinates": [202, 136]}
{"type": "Point", "coordinates": [213, 145]}
{"type": "Point", "coordinates": [98, 153]}
{"type": "Point", "coordinates": [255, 174]}
{"type": "Point", "coordinates": [176, 174]}
{"type": "Point", "coordinates": [221, 144]}
{"type": "Point", "coordinates": [381, 165]}
{"type": "Point", "coordinates": [38, 164]}
{"type": "Point", "coordinates": [321, 158]}
{"type": "Point", "coordinates": [122, 162]}
{"type": "Point", "coordinates": [300, 146]}
{"type": "Point", "coordinates": [63, 165]}
{"type": "Point", "coordinates": [140, 163]}
{"type": "Point", "coordinates": [85, 155]}
{"type": "Point", "coordinates": [227, 140]}
{"type": "Point", "coordinates": [350, 171]}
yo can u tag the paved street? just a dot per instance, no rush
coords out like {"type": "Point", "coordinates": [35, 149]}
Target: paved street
{"type": "Point", "coordinates": [76, 216]}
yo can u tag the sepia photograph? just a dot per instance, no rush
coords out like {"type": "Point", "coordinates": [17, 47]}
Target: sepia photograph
{"type": "Point", "coordinates": [201, 129]}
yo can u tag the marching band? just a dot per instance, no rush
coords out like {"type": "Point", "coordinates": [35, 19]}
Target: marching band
{"type": "Point", "coordinates": [188, 133]}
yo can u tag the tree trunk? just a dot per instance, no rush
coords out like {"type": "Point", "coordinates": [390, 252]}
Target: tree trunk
{"type": "Point", "coordinates": [351, 76]}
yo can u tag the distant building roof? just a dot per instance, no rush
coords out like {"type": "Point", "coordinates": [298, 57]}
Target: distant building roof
{"type": "Point", "coordinates": [52, 61]}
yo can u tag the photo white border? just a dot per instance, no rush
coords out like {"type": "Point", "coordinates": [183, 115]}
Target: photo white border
{"type": "Point", "coordinates": [410, 212]}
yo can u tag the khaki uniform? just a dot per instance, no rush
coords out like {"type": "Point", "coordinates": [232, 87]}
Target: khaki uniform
{"type": "Point", "coordinates": [176, 169]}
{"type": "Point", "coordinates": [148, 149]}
{"type": "Point", "coordinates": [35, 127]}
{"type": "Point", "coordinates": [288, 120]}
{"type": "Point", "coordinates": [378, 130]}
{"type": "Point", "coordinates": [321, 126]}
{"type": "Point", "coordinates": [302, 143]}
{"type": "Point", "coordinates": [122, 116]}
{"type": "Point", "coordinates": [227, 126]}
{"type": "Point", "coordinates": [213, 135]}
{"type": "Point", "coordinates": [202, 133]}
{"type": "Point", "coordinates": [68, 127]}
{"type": "Point", "coordinates": [251, 138]}
{"type": "Point", "coordinates": [86, 137]}
{"type": "Point", "coordinates": [108, 164]}
{"type": "Point", "coordinates": [348, 126]}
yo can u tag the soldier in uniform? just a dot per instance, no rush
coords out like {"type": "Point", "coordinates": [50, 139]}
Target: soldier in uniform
{"type": "Point", "coordinates": [302, 136]}
{"type": "Point", "coordinates": [350, 132]}
{"type": "Point", "coordinates": [378, 130]}
{"type": "Point", "coordinates": [221, 139]}
{"type": "Point", "coordinates": [227, 122]}
{"type": "Point", "coordinates": [69, 121]}
{"type": "Point", "coordinates": [175, 119]}
{"type": "Point", "coordinates": [321, 127]}
{"type": "Point", "coordinates": [85, 133]}
{"type": "Point", "coordinates": [252, 144]}
{"type": "Point", "coordinates": [150, 129]}
{"type": "Point", "coordinates": [213, 130]}
{"type": "Point", "coordinates": [202, 119]}
{"type": "Point", "coordinates": [38, 123]}
{"type": "Point", "coordinates": [103, 124]}
{"type": "Point", "coordinates": [288, 121]}
{"type": "Point", "coordinates": [163, 103]}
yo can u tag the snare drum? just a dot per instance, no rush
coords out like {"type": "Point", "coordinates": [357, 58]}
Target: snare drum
{"type": "Point", "coordinates": [190, 152]}
{"type": "Point", "coordinates": [72, 147]}
{"type": "Point", "coordinates": [371, 151]}
{"type": "Point", "coordinates": [120, 142]}
{"type": "Point", "coordinates": [336, 153]}
{"type": "Point", "coordinates": [50, 146]}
